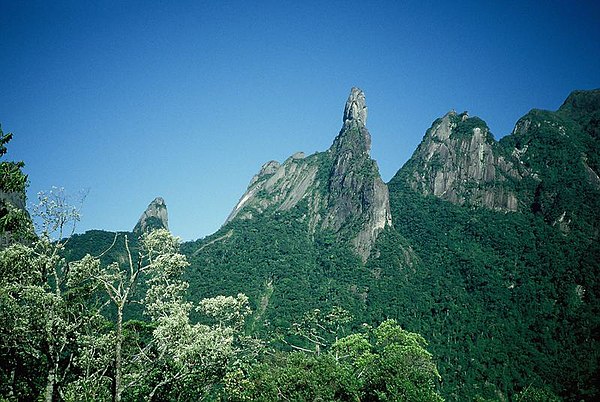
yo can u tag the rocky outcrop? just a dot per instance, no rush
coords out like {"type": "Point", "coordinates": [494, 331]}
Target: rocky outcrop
{"type": "Point", "coordinates": [342, 189]}
{"type": "Point", "coordinates": [280, 186]}
{"type": "Point", "coordinates": [356, 191]}
{"type": "Point", "coordinates": [459, 161]}
{"type": "Point", "coordinates": [154, 217]}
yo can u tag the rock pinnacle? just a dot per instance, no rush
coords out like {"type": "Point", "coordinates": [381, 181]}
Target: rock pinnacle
{"type": "Point", "coordinates": [356, 108]}
{"type": "Point", "coordinates": [154, 217]}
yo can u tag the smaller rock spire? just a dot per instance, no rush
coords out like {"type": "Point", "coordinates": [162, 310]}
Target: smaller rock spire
{"type": "Point", "coordinates": [154, 217]}
{"type": "Point", "coordinates": [356, 108]}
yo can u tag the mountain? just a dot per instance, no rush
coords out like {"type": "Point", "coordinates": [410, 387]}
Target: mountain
{"type": "Point", "coordinates": [512, 293]}
{"type": "Point", "coordinates": [301, 234]}
{"type": "Point", "coordinates": [340, 188]}
{"type": "Point", "coordinates": [488, 248]}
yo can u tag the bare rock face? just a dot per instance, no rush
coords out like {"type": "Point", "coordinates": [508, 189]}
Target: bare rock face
{"type": "Point", "coordinates": [356, 108]}
{"type": "Point", "coordinates": [154, 217]}
{"type": "Point", "coordinates": [459, 161]}
{"type": "Point", "coordinates": [356, 191]}
{"type": "Point", "coordinates": [280, 186]}
{"type": "Point", "coordinates": [342, 189]}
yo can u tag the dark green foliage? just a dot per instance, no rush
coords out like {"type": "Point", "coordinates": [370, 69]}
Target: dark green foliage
{"type": "Point", "coordinates": [511, 299]}
{"type": "Point", "coordinates": [284, 270]}
{"type": "Point", "coordinates": [496, 292]}
{"type": "Point", "coordinates": [12, 178]}
{"type": "Point", "coordinates": [506, 300]}
{"type": "Point", "coordinates": [109, 247]}
{"type": "Point", "coordinates": [153, 222]}
{"type": "Point", "coordinates": [508, 303]}
{"type": "Point", "coordinates": [15, 223]}
{"type": "Point", "coordinates": [101, 243]}
{"type": "Point", "coordinates": [465, 126]}
{"type": "Point", "coordinates": [299, 377]}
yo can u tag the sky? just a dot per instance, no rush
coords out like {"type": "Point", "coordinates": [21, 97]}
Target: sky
{"type": "Point", "coordinates": [187, 99]}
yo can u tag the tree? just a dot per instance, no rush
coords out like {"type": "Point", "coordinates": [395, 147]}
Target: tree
{"type": "Point", "coordinates": [317, 330]}
{"type": "Point", "coordinates": [398, 367]}
{"type": "Point", "coordinates": [382, 364]}
{"type": "Point", "coordinates": [191, 357]}
{"type": "Point", "coordinates": [41, 308]}
{"type": "Point", "coordinates": [166, 356]}
{"type": "Point", "coordinates": [15, 224]}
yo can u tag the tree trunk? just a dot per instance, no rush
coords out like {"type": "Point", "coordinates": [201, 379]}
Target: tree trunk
{"type": "Point", "coordinates": [50, 383]}
{"type": "Point", "coordinates": [118, 357]}
{"type": "Point", "coordinates": [11, 389]}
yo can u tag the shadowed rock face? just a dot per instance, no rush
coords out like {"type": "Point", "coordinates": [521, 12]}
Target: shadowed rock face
{"type": "Point", "coordinates": [459, 161]}
{"type": "Point", "coordinates": [342, 187]}
{"type": "Point", "coordinates": [154, 217]}
{"type": "Point", "coordinates": [356, 191]}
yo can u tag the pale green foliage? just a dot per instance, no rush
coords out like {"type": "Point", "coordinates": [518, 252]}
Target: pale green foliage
{"type": "Point", "coordinates": [46, 312]}
{"type": "Point", "coordinates": [382, 364]}
{"type": "Point", "coordinates": [55, 214]}
{"type": "Point", "coordinates": [536, 394]}
{"type": "Point", "coordinates": [226, 310]}
{"type": "Point", "coordinates": [65, 323]}
{"type": "Point", "coordinates": [19, 266]}
{"type": "Point", "coordinates": [356, 349]}
{"type": "Point", "coordinates": [316, 327]}
{"type": "Point", "coordinates": [96, 354]}
{"type": "Point", "coordinates": [183, 351]}
{"type": "Point", "coordinates": [83, 271]}
{"type": "Point", "coordinates": [395, 367]}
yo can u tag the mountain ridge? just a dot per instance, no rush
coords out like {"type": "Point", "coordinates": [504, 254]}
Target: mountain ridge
{"type": "Point", "coordinates": [497, 268]}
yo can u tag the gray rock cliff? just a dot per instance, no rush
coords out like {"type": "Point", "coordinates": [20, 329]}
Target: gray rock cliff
{"type": "Point", "coordinates": [356, 191]}
{"type": "Point", "coordinates": [459, 161]}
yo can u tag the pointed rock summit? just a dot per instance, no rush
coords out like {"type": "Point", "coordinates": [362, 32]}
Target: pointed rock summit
{"type": "Point", "coordinates": [341, 188]}
{"type": "Point", "coordinates": [356, 190]}
{"type": "Point", "coordinates": [354, 136]}
{"type": "Point", "coordinates": [356, 108]}
{"type": "Point", "coordinates": [154, 217]}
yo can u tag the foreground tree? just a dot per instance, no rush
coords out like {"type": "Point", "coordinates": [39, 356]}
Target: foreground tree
{"type": "Point", "coordinates": [44, 312]}
{"type": "Point", "coordinates": [15, 224]}
{"type": "Point", "coordinates": [167, 356]}
{"type": "Point", "coordinates": [384, 364]}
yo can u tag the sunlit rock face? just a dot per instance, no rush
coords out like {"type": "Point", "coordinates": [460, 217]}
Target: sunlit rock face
{"type": "Point", "coordinates": [341, 188]}
{"type": "Point", "coordinates": [154, 217]}
{"type": "Point", "coordinates": [459, 161]}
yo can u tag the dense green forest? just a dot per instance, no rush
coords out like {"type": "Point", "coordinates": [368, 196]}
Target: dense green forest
{"type": "Point", "coordinates": [457, 301]}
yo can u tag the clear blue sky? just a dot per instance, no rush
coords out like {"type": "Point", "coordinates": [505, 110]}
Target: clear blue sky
{"type": "Point", "coordinates": [186, 100]}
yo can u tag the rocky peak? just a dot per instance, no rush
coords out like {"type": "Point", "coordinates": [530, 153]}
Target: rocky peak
{"type": "Point", "coordinates": [342, 187]}
{"type": "Point", "coordinates": [154, 217]}
{"type": "Point", "coordinates": [356, 191]}
{"type": "Point", "coordinates": [354, 136]}
{"type": "Point", "coordinates": [459, 161]}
